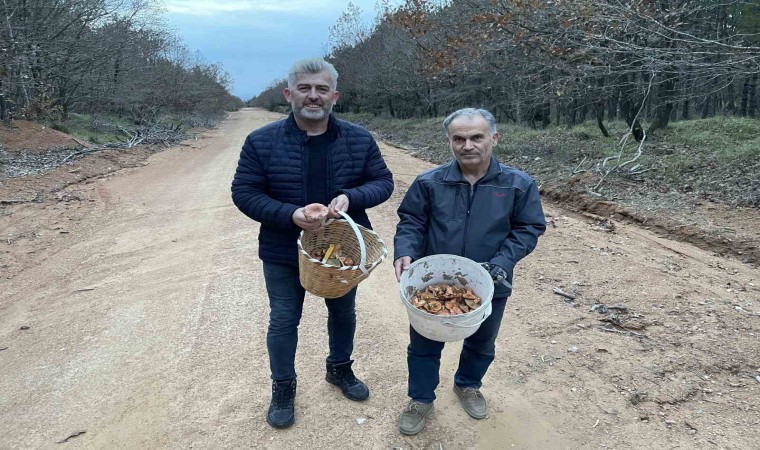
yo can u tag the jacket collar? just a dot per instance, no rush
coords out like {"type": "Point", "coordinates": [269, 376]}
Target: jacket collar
{"type": "Point", "coordinates": [333, 129]}
{"type": "Point", "coordinates": [454, 172]}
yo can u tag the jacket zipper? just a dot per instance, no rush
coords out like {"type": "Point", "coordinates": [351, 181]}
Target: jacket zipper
{"type": "Point", "coordinates": [304, 170]}
{"type": "Point", "coordinates": [330, 184]}
{"type": "Point", "coordinates": [456, 202]}
{"type": "Point", "coordinates": [467, 218]}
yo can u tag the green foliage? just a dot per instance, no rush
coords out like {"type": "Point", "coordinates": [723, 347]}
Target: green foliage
{"type": "Point", "coordinates": [104, 129]}
{"type": "Point", "coordinates": [727, 136]}
{"type": "Point", "coordinates": [96, 129]}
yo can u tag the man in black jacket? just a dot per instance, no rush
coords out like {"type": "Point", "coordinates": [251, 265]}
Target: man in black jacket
{"type": "Point", "coordinates": [309, 157]}
{"type": "Point", "coordinates": [480, 209]}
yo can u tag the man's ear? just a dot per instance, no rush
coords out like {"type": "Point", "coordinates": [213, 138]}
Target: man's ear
{"type": "Point", "coordinates": [286, 93]}
{"type": "Point", "coordinates": [336, 96]}
{"type": "Point", "coordinates": [495, 138]}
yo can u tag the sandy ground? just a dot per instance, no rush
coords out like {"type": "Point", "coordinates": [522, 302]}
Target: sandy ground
{"type": "Point", "coordinates": [133, 315]}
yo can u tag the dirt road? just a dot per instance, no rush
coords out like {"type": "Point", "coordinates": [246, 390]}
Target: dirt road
{"type": "Point", "coordinates": [133, 315]}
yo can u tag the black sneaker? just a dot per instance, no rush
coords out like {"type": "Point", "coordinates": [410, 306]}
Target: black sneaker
{"type": "Point", "coordinates": [282, 410]}
{"type": "Point", "coordinates": [342, 376]}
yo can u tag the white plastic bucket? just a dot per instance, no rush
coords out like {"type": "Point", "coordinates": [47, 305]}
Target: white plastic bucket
{"type": "Point", "coordinates": [437, 269]}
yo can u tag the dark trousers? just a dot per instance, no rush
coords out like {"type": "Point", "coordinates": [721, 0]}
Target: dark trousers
{"type": "Point", "coordinates": [286, 296]}
{"type": "Point", "coordinates": [424, 357]}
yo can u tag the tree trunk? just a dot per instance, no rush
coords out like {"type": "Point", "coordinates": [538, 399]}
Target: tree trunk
{"type": "Point", "coordinates": [584, 111]}
{"type": "Point", "coordinates": [663, 112]}
{"type": "Point", "coordinates": [517, 110]}
{"type": "Point", "coordinates": [745, 98]}
{"type": "Point", "coordinates": [685, 110]}
{"type": "Point", "coordinates": [629, 109]}
{"type": "Point", "coordinates": [636, 129]}
{"type": "Point", "coordinates": [663, 118]}
{"type": "Point", "coordinates": [573, 112]}
{"type": "Point", "coordinates": [600, 117]}
{"type": "Point", "coordinates": [546, 115]}
{"type": "Point", "coordinates": [752, 100]}
{"type": "Point", "coordinates": [729, 102]}
{"type": "Point", "coordinates": [612, 108]}
{"type": "Point", "coordinates": [706, 107]}
{"type": "Point", "coordinates": [116, 73]}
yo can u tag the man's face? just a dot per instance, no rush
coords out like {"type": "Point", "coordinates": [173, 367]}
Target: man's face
{"type": "Point", "coordinates": [471, 141]}
{"type": "Point", "coordinates": [312, 97]}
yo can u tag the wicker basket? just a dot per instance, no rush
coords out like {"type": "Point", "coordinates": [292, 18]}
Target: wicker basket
{"type": "Point", "coordinates": [359, 243]}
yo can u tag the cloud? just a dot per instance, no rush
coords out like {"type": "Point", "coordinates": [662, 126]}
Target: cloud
{"type": "Point", "coordinates": [214, 7]}
{"type": "Point", "coordinates": [256, 41]}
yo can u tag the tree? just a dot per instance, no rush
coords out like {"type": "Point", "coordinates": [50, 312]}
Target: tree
{"type": "Point", "coordinates": [99, 55]}
{"type": "Point", "coordinates": [537, 62]}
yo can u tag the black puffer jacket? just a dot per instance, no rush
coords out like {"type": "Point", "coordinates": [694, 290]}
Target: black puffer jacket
{"type": "Point", "coordinates": [270, 180]}
{"type": "Point", "coordinates": [497, 220]}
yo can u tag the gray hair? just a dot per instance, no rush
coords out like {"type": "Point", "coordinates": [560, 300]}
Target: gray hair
{"type": "Point", "coordinates": [312, 65]}
{"type": "Point", "coordinates": [471, 112]}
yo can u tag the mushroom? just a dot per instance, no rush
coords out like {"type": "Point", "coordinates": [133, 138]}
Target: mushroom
{"type": "Point", "coordinates": [315, 212]}
{"type": "Point", "coordinates": [433, 306]}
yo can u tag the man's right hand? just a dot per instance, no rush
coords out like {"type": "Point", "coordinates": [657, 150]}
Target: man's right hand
{"type": "Point", "coordinates": [401, 265]}
{"type": "Point", "coordinates": [299, 218]}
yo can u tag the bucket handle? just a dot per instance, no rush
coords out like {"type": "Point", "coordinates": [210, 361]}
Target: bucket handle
{"type": "Point", "coordinates": [359, 237]}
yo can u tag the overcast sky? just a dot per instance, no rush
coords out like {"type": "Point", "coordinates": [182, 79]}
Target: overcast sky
{"type": "Point", "coordinates": [256, 41]}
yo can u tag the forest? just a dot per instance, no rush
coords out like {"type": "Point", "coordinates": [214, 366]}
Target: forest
{"type": "Point", "coordinates": [560, 62]}
{"type": "Point", "coordinates": [109, 57]}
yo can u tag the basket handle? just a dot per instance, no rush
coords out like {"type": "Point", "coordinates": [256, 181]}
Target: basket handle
{"type": "Point", "coordinates": [360, 238]}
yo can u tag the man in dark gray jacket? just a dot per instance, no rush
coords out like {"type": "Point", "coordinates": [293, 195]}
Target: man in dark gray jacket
{"type": "Point", "coordinates": [309, 157]}
{"type": "Point", "coordinates": [474, 207]}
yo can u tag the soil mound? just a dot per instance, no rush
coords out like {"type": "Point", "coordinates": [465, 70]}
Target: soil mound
{"type": "Point", "coordinates": [30, 136]}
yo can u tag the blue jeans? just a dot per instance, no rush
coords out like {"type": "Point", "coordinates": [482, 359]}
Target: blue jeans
{"type": "Point", "coordinates": [424, 357]}
{"type": "Point", "coordinates": [286, 297]}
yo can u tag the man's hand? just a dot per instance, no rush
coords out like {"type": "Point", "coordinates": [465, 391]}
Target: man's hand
{"type": "Point", "coordinates": [498, 274]}
{"type": "Point", "coordinates": [299, 218]}
{"type": "Point", "coordinates": [339, 203]}
{"type": "Point", "coordinates": [401, 265]}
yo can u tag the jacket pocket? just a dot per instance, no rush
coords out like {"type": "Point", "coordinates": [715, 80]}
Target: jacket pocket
{"type": "Point", "coordinates": [456, 208]}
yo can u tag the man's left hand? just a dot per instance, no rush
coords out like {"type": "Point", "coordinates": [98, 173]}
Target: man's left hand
{"type": "Point", "coordinates": [339, 203]}
{"type": "Point", "coordinates": [498, 274]}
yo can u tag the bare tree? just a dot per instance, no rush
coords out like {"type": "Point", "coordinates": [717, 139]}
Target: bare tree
{"type": "Point", "coordinates": [558, 61]}
{"type": "Point", "coordinates": [99, 55]}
